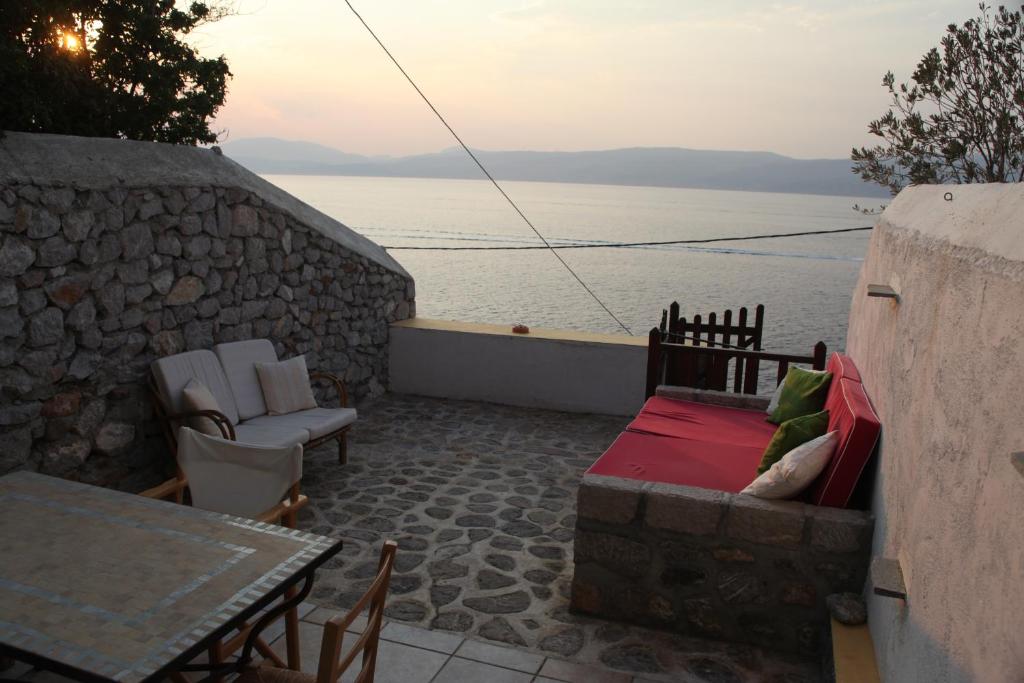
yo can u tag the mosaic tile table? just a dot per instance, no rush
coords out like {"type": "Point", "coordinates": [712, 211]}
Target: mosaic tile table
{"type": "Point", "coordinates": [100, 585]}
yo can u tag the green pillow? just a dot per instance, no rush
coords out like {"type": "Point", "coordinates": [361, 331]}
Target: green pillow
{"type": "Point", "coordinates": [790, 434]}
{"type": "Point", "coordinates": [803, 392]}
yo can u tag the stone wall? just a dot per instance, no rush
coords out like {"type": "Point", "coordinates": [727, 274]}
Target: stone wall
{"type": "Point", "coordinates": [712, 564]}
{"type": "Point", "coordinates": [114, 253]}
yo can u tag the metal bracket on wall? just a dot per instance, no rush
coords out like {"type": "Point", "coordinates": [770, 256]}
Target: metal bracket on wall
{"type": "Point", "coordinates": [887, 578]}
{"type": "Point", "coordinates": [883, 291]}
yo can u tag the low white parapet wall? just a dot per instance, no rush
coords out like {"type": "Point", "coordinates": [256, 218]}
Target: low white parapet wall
{"type": "Point", "coordinates": [554, 369]}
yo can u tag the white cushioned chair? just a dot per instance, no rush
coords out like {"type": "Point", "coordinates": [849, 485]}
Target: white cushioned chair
{"type": "Point", "coordinates": [229, 372]}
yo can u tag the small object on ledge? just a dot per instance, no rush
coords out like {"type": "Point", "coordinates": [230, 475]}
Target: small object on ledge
{"type": "Point", "coordinates": [520, 329]}
{"type": "Point", "coordinates": [217, 150]}
{"type": "Point", "coordinates": [884, 291]}
{"type": "Point", "coordinates": [847, 608]}
{"type": "Point", "coordinates": [887, 578]}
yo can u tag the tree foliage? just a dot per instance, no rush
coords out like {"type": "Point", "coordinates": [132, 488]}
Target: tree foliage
{"type": "Point", "coordinates": [110, 68]}
{"type": "Point", "coordinates": [961, 120]}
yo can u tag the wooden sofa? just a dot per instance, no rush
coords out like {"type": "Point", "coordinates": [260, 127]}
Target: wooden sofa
{"type": "Point", "coordinates": [229, 372]}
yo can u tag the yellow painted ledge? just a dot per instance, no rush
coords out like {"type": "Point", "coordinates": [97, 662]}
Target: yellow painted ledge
{"type": "Point", "coordinates": [506, 331]}
{"type": "Point", "coordinates": [853, 654]}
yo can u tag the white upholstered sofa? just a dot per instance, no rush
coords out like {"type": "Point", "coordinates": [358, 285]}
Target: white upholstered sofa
{"type": "Point", "coordinates": [229, 372]}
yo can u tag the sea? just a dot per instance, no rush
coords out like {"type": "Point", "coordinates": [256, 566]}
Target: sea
{"type": "Point", "coordinates": [805, 283]}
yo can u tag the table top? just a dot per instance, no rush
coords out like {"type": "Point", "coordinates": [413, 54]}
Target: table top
{"type": "Point", "coordinates": [109, 585]}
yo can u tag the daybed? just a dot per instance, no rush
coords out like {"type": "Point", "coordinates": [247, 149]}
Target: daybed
{"type": "Point", "coordinates": [665, 538]}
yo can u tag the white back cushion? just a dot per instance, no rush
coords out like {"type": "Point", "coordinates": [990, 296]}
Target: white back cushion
{"type": "Point", "coordinates": [796, 470]}
{"type": "Point", "coordinates": [239, 361]}
{"type": "Point", "coordinates": [173, 373]}
{"type": "Point", "coordinates": [196, 397]}
{"type": "Point", "coordinates": [286, 386]}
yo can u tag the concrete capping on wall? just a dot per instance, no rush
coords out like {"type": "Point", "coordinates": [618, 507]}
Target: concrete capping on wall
{"type": "Point", "coordinates": [102, 163]}
{"type": "Point", "coordinates": [554, 369]}
{"type": "Point", "coordinates": [713, 564]}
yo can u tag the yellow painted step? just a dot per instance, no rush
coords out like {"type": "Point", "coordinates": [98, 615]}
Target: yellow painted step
{"type": "Point", "coordinates": [854, 654]}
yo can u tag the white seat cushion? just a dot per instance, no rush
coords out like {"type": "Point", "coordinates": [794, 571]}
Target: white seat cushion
{"type": "Point", "coordinates": [270, 433]}
{"type": "Point", "coordinates": [173, 373]}
{"type": "Point", "coordinates": [317, 421]}
{"type": "Point", "coordinates": [239, 361]}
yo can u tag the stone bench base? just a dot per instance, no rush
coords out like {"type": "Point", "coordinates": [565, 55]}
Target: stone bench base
{"type": "Point", "coordinates": [712, 564]}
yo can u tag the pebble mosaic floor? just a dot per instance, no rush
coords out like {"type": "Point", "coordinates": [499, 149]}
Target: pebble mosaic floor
{"type": "Point", "coordinates": [481, 500]}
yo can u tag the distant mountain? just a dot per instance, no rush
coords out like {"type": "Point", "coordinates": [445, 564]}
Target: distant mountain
{"type": "Point", "coordinates": [651, 166]}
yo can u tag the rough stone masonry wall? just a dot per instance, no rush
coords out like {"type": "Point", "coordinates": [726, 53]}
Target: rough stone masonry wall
{"type": "Point", "coordinates": [712, 564]}
{"type": "Point", "coordinates": [95, 284]}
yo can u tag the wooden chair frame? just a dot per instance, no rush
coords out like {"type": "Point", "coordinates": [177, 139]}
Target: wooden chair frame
{"type": "Point", "coordinates": [332, 664]}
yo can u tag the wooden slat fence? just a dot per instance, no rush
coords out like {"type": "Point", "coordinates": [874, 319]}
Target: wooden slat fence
{"type": "Point", "coordinates": [700, 352]}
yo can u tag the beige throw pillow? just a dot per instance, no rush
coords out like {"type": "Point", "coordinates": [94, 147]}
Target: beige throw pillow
{"type": "Point", "coordinates": [195, 396]}
{"type": "Point", "coordinates": [286, 386]}
{"type": "Point", "coordinates": [796, 470]}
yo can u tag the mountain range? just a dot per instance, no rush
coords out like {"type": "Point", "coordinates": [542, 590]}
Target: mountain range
{"type": "Point", "coordinates": [650, 166]}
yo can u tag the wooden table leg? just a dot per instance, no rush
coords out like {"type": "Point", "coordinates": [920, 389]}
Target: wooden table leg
{"type": "Point", "coordinates": [291, 633]}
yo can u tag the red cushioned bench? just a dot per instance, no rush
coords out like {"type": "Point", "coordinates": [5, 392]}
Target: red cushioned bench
{"type": "Point", "coordinates": [719, 447]}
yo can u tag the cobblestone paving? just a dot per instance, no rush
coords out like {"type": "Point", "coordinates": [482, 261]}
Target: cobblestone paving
{"type": "Point", "coordinates": [481, 500]}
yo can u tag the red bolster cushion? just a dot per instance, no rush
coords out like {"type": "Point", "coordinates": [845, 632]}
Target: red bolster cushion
{"type": "Point", "coordinates": [851, 414]}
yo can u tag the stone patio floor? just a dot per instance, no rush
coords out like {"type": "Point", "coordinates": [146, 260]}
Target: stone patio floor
{"type": "Point", "coordinates": [481, 500]}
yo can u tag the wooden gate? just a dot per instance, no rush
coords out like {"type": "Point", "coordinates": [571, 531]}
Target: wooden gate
{"type": "Point", "coordinates": [700, 352]}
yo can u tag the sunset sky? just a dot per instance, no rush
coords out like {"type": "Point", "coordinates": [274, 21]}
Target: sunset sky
{"type": "Point", "coordinates": [801, 79]}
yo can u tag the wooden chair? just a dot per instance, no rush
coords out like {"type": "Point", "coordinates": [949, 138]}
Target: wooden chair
{"type": "Point", "coordinates": [257, 482]}
{"type": "Point", "coordinates": [332, 664]}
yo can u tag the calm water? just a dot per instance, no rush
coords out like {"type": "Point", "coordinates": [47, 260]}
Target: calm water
{"type": "Point", "coordinates": [804, 282]}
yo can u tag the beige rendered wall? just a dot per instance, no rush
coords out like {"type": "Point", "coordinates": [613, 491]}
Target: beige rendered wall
{"type": "Point", "coordinates": [945, 369]}
{"type": "Point", "coordinates": [554, 369]}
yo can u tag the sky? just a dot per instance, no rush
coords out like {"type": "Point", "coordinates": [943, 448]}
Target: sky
{"type": "Point", "coordinates": [798, 78]}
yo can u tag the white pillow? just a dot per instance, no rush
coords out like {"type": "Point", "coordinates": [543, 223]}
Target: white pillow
{"type": "Point", "coordinates": [195, 396]}
{"type": "Point", "coordinates": [795, 470]}
{"type": "Point", "coordinates": [774, 403]}
{"type": "Point", "coordinates": [286, 386]}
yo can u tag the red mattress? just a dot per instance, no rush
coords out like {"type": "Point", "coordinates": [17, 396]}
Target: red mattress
{"type": "Point", "coordinates": [714, 447]}
{"type": "Point", "coordinates": [694, 444]}
{"type": "Point", "coordinates": [703, 422]}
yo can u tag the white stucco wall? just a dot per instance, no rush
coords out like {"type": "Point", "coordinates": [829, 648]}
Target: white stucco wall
{"type": "Point", "coordinates": [945, 370]}
{"type": "Point", "coordinates": [555, 369]}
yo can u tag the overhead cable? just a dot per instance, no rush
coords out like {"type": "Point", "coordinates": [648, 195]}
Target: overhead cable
{"type": "Point", "coordinates": [485, 171]}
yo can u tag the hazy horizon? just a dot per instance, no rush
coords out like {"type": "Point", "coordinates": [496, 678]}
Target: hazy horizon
{"type": "Point", "coordinates": [477, 148]}
{"type": "Point", "coordinates": [799, 79]}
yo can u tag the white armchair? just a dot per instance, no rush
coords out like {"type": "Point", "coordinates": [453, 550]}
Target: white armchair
{"type": "Point", "coordinates": [236, 478]}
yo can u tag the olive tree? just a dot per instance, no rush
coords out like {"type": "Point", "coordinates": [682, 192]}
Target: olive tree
{"type": "Point", "coordinates": [110, 68]}
{"type": "Point", "coordinates": [961, 119]}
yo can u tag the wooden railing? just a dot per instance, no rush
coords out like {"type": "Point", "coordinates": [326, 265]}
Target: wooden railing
{"type": "Point", "coordinates": [740, 334]}
{"type": "Point", "coordinates": [708, 367]}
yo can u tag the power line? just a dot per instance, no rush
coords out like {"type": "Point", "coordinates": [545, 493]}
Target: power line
{"type": "Point", "coordinates": [485, 171]}
{"type": "Point", "coordinates": [620, 245]}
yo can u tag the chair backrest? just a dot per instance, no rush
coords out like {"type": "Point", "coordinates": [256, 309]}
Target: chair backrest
{"type": "Point", "coordinates": [172, 373]}
{"type": "Point", "coordinates": [332, 664]}
{"type": "Point", "coordinates": [234, 478]}
{"type": "Point", "coordinates": [239, 362]}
